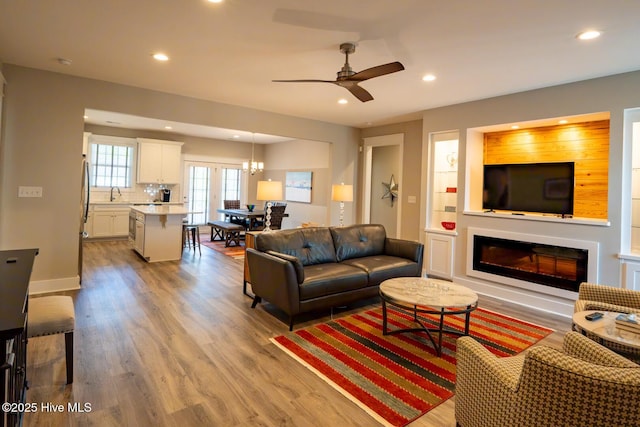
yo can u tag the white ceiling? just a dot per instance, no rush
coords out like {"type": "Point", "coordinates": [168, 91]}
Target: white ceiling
{"type": "Point", "coordinates": [229, 52]}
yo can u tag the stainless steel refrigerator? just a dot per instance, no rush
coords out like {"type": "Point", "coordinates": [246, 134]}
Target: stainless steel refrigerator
{"type": "Point", "coordinates": [84, 210]}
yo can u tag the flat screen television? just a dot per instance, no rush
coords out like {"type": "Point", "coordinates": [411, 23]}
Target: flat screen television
{"type": "Point", "coordinates": [529, 187]}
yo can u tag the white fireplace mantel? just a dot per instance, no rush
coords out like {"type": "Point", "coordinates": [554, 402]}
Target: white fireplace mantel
{"type": "Point", "coordinates": [591, 247]}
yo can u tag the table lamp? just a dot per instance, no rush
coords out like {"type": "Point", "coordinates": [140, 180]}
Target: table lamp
{"type": "Point", "coordinates": [342, 193]}
{"type": "Point", "coordinates": [268, 191]}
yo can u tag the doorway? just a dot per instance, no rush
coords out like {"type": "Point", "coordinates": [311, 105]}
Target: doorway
{"type": "Point", "coordinates": [207, 185]}
{"type": "Point", "coordinates": [382, 182]}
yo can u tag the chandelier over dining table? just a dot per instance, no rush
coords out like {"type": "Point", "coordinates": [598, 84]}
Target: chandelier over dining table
{"type": "Point", "coordinates": [253, 166]}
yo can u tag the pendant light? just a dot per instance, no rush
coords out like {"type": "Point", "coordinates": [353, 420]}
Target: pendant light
{"type": "Point", "coordinates": [253, 166]}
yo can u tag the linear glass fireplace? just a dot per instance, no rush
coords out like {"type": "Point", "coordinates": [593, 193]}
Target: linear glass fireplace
{"type": "Point", "coordinates": [556, 266]}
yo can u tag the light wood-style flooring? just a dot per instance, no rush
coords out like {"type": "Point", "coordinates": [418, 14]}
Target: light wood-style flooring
{"type": "Point", "coordinates": [177, 344]}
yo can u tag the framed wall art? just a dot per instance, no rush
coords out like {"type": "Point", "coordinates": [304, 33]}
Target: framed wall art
{"type": "Point", "coordinates": [298, 186]}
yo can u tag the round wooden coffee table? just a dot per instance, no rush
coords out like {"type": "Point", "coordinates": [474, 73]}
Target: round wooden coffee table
{"type": "Point", "coordinates": [428, 296]}
{"type": "Point", "coordinates": [604, 332]}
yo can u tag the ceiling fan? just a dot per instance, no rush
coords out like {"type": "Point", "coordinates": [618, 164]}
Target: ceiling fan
{"type": "Point", "coordinates": [349, 79]}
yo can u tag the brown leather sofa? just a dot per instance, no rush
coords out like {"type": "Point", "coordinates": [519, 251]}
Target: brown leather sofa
{"type": "Point", "coordinates": [305, 269]}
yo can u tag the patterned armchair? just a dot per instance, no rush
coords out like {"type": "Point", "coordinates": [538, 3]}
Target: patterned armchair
{"type": "Point", "coordinates": [584, 384]}
{"type": "Point", "coordinates": [607, 298]}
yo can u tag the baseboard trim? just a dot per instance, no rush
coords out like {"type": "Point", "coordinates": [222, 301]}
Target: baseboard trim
{"type": "Point", "coordinates": [37, 287]}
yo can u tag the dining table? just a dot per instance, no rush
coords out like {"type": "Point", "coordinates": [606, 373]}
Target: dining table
{"type": "Point", "coordinates": [253, 216]}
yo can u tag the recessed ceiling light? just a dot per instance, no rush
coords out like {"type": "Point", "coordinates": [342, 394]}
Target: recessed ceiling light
{"type": "Point", "coordinates": [515, 127]}
{"type": "Point", "coordinates": [588, 35]}
{"type": "Point", "coordinates": [342, 101]}
{"type": "Point", "coordinates": [428, 77]}
{"type": "Point", "coordinates": [168, 127]}
{"type": "Point", "coordinates": [86, 117]}
{"type": "Point", "coordinates": [214, 1]}
{"type": "Point", "coordinates": [236, 136]}
{"type": "Point", "coordinates": [160, 57]}
{"type": "Point", "coordinates": [563, 122]}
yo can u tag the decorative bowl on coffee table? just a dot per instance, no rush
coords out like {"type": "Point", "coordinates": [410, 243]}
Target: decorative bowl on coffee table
{"type": "Point", "coordinates": [251, 207]}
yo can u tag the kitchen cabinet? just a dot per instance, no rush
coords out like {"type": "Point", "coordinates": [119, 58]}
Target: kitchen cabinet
{"type": "Point", "coordinates": [109, 222]}
{"type": "Point", "coordinates": [159, 161]}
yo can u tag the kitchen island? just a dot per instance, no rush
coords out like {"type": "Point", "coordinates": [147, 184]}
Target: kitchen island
{"type": "Point", "coordinates": [158, 231]}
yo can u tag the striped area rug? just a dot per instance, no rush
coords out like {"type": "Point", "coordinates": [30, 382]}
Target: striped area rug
{"type": "Point", "coordinates": [398, 378]}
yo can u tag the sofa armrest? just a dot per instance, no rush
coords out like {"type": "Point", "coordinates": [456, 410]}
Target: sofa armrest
{"type": "Point", "coordinates": [297, 264]}
{"type": "Point", "coordinates": [404, 249]}
{"type": "Point", "coordinates": [503, 370]}
{"type": "Point", "coordinates": [583, 348]}
{"type": "Point", "coordinates": [274, 279]}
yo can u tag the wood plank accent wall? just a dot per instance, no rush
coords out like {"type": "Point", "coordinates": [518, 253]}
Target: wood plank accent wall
{"type": "Point", "coordinates": [585, 143]}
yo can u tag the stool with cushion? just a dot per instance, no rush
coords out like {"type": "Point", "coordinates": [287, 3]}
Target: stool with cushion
{"type": "Point", "coordinates": [53, 315]}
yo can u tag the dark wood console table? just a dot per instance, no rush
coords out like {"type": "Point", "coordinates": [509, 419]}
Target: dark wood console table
{"type": "Point", "coordinates": [15, 272]}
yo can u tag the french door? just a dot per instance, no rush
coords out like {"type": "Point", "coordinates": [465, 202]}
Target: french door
{"type": "Point", "coordinates": [207, 185]}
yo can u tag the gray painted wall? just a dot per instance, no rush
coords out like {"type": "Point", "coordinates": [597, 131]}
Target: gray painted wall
{"type": "Point", "coordinates": [42, 145]}
{"type": "Point", "coordinates": [611, 94]}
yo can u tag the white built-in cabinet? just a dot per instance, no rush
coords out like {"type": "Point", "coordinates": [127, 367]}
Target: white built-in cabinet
{"type": "Point", "coordinates": [630, 258]}
{"type": "Point", "coordinates": [631, 275]}
{"type": "Point", "coordinates": [158, 161]}
{"type": "Point", "coordinates": [104, 222]}
{"type": "Point", "coordinates": [442, 202]}
{"type": "Point", "coordinates": [439, 255]}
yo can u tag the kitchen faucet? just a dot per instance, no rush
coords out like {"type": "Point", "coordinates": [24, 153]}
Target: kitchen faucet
{"type": "Point", "coordinates": [111, 198]}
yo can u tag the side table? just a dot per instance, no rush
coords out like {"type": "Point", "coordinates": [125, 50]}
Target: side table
{"type": "Point", "coordinates": [249, 242]}
{"type": "Point", "coordinates": [604, 332]}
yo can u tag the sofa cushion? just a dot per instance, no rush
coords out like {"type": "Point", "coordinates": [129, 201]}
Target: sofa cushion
{"type": "Point", "coordinates": [310, 245]}
{"type": "Point", "coordinates": [358, 241]}
{"type": "Point", "coordinates": [383, 267]}
{"type": "Point", "coordinates": [326, 279]}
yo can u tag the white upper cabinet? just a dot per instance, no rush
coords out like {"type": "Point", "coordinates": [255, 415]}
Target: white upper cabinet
{"type": "Point", "coordinates": [158, 161]}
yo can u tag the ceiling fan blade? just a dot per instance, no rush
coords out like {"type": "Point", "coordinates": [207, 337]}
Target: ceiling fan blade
{"type": "Point", "coordinates": [378, 71]}
{"type": "Point", "coordinates": [359, 93]}
{"type": "Point", "coordinates": [304, 81]}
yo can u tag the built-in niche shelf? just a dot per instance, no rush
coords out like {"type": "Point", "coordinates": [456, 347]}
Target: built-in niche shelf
{"type": "Point", "coordinates": [584, 141]}
{"type": "Point", "coordinates": [444, 179]}
{"type": "Point", "coordinates": [442, 205]}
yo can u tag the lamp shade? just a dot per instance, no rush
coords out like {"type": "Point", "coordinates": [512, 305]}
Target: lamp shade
{"type": "Point", "coordinates": [269, 190]}
{"type": "Point", "coordinates": [342, 193]}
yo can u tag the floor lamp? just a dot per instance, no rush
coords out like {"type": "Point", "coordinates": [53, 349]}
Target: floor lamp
{"type": "Point", "coordinates": [268, 191]}
{"type": "Point", "coordinates": [342, 193]}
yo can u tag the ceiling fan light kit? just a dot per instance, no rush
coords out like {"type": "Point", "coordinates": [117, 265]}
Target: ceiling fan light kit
{"type": "Point", "coordinates": [349, 79]}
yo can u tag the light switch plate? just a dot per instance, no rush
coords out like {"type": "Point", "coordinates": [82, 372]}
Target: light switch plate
{"type": "Point", "coordinates": [29, 191]}
{"type": "Point", "coordinates": [411, 199]}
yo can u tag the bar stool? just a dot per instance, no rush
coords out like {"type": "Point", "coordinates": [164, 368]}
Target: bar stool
{"type": "Point", "coordinates": [191, 236]}
{"type": "Point", "coordinates": [53, 315]}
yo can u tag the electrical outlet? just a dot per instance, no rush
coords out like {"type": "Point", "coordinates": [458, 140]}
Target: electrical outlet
{"type": "Point", "coordinates": [29, 191]}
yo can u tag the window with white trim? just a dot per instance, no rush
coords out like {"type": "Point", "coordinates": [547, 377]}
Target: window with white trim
{"type": "Point", "coordinates": [112, 161]}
